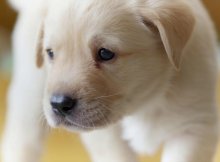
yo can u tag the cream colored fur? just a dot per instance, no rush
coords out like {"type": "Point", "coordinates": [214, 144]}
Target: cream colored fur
{"type": "Point", "coordinates": [159, 90]}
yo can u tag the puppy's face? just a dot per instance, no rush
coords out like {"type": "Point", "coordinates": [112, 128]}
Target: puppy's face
{"type": "Point", "coordinates": [103, 59]}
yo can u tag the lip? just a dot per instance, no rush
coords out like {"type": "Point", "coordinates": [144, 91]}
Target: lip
{"type": "Point", "coordinates": [74, 126]}
{"type": "Point", "coordinates": [81, 120]}
{"type": "Point", "coordinates": [67, 123]}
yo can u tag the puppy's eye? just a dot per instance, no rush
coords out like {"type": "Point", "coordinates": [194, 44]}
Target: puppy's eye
{"type": "Point", "coordinates": [105, 55]}
{"type": "Point", "coordinates": [50, 53]}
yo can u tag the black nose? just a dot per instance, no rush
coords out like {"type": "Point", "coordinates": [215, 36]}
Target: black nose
{"type": "Point", "coordinates": [62, 105]}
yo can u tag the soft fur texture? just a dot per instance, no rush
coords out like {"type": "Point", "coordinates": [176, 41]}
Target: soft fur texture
{"type": "Point", "coordinates": [160, 88]}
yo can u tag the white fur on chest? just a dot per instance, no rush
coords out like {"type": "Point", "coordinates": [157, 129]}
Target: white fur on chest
{"type": "Point", "coordinates": [143, 131]}
{"type": "Point", "coordinates": [148, 129]}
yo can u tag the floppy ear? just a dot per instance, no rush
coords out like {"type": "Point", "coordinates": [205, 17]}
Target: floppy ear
{"type": "Point", "coordinates": [174, 22]}
{"type": "Point", "coordinates": [39, 46]}
{"type": "Point", "coordinates": [41, 12]}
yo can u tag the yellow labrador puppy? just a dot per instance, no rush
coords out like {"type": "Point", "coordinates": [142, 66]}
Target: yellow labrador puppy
{"type": "Point", "coordinates": [130, 75]}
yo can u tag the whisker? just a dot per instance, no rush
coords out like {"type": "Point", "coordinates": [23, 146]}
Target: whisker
{"type": "Point", "coordinates": [114, 112]}
{"type": "Point", "coordinates": [113, 95]}
{"type": "Point", "coordinates": [103, 116]}
{"type": "Point", "coordinates": [43, 123]}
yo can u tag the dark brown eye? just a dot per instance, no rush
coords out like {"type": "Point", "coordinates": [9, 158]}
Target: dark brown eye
{"type": "Point", "coordinates": [105, 55]}
{"type": "Point", "coordinates": [50, 53]}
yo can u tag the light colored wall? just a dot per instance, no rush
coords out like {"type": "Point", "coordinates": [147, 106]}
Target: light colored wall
{"type": "Point", "coordinates": [7, 15]}
{"type": "Point", "coordinates": [214, 9]}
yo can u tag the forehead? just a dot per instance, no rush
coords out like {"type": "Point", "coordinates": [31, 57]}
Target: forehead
{"type": "Point", "coordinates": [94, 15]}
{"type": "Point", "coordinates": [77, 9]}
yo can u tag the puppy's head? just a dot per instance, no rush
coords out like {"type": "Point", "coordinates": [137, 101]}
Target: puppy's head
{"type": "Point", "coordinates": [105, 59]}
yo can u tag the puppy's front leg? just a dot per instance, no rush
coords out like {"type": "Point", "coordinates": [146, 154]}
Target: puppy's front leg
{"type": "Point", "coordinates": [24, 131]}
{"type": "Point", "coordinates": [106, 145]}
{"type": "Point", "coordinates": [188, 148]}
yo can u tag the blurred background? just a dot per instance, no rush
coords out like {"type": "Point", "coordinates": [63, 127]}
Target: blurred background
{"type": "Point", "coordinates": [61, 146]}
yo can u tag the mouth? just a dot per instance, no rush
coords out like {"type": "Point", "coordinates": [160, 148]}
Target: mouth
{"type": "Point", "coordinates": [73, 126]}
{"type": "Point", "coordinates": [81, 121]}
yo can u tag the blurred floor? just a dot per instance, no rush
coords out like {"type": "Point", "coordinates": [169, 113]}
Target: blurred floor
{"type": "Point", "coordinates": [62, 146]}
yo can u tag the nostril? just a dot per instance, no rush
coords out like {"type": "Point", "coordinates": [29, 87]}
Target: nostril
{"type": "Point", "coordinates": [63, 105]}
